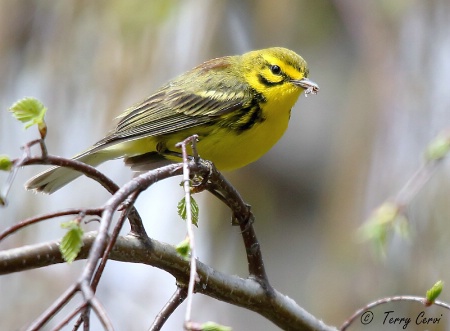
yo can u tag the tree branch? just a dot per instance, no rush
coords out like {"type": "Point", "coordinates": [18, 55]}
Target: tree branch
{"type": "Point", "coordinates": [89, 171]}
{"type": "Point", "coordinates": [177, 299]}
{"type": "Point", "coordinates": [246, 293]}
{"type": "Point", "coordinates": [254, 293]}
{"type": "Point", "coordinates": [382, 301]}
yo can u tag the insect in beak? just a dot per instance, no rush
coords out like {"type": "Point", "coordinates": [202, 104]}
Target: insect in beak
{"type": "Point", "coordinates": [309, 86]}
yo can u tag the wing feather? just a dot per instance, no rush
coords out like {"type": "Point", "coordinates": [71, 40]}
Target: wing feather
{"type": "Point", "coordinates": [181, 105]}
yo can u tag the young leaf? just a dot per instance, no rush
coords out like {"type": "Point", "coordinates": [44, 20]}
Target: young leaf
{"type": "Point", "coordinates": [380, 221]}
{"type": "Point", "coordinates": [184, 249]}
{"type": "Point", "coordinates": [401, 226]}
{"type": "Point", "coordinates": [30, 111]}
{"type": "Point", "coordinates": [5, 163]}
{"type": "Point", "coordinates": [211, 326]}
{"type": "Point", "coordinates": [434, 292]}
{"type": "Point", "coordinates": [438, 148]}
{"type": "Point", "coordinates": [194, 210]}
{"type": "Point", "coordinates": [376, 229]}
{"type": "Point", "coordinates": [72, 241]}
{"type": "Point", "coordinates": [181, 208]}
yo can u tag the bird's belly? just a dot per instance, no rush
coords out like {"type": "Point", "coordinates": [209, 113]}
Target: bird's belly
{"type": "Point", "coordinates": [230, 150]}
{"type": "Point", "coordinates": [227, 149]}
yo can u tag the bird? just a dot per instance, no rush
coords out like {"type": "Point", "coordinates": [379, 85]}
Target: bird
{"type": "Point", "coordinates": [239, 106]}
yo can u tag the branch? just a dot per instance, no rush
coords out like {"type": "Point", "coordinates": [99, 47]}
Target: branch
{"type": "Point", "coordinates": [367, 316]}
{"type": "Point", "coordinates": [33, 220]}
{"type": "Point", "coordinates": [87, 170]}
{"type": "Point", "coordinates": [246, 293]}
{"type": "Point", "coordinates": [190, 231]}
{"type": "Point", "coordinates": [177, 299]}
{"type": "Point", "coordinates": [254, 293]}
{"type": "Point", "coordinates": [221, 188]}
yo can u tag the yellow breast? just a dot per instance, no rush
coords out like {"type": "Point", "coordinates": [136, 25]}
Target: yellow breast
{"type": "Point", "coordinates": [231, 150]}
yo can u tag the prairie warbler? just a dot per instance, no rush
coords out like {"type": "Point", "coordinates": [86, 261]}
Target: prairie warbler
{"type": "Point", "coordinates": [239, 106]}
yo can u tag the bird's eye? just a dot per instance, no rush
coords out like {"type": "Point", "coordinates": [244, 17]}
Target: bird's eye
{"type": "Point", "coordinates": [276, 70]}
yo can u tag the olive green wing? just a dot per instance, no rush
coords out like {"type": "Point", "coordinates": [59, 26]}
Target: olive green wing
{"type": "Point", "coordinates": [175, 111]}
{"type": "Point", "coordinates": [172, 110]}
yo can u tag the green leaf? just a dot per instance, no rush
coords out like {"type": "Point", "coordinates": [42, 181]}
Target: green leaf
{"type": "Point", "coordinates": [211, 326]}
{"type": "Point", "coordinates": [194, 210]}
{"type": "Point", "coordinates": [434, 292]}
{"type": "Point", "coordinates": [379, 221]}
{"type": "Point", "coordinates": [383, 219]}
{"type": "Point", "coordinates": [181, 208]}
{"type": "Point", "coordinates": [5, 163]}
{"type": "Point", "coordinates": [386, 213]}
{"type": "Point", "coordinates": [184, 248]}
{"type": "Point", "coordinates": [438, 148]}
{"type": "Point", "coordinates": [30, 111]}
{"type": "Point", "coordinates": [401, 226]}
{"type": "Point", "coordinates": [72, 241]}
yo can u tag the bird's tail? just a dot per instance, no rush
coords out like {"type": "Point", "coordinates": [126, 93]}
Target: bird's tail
{"type": "Point", "coordinates": [54, 178]}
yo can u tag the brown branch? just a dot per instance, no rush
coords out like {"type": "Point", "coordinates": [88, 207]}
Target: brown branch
{"type": "Point", "coordinates": [258, 296]}
{"type": "Point", "coordinates": [56, 306]}
{"type": "Point", "coordinates": [221, 188]}
{"type": "Point", "coordinates": [91, 172]}
{"type": "Point", "coordinates": [96, 305]}
{"type": "Point", "coordinates": [382, 301]}
{"type": "Point", "coordinates": [69, 317]}
{"type": "Point", "coordinates": [246, 293]}
{"type": "Point", "coordinates": [33, 220]}
{"type": "Point", "coordinates": [85, 312]}
{"type": "Point", "coordinates": [81, 167]}
{"type": "Point", "coordinates": [132, 188]}
{"type": "Point", "coordinates": [174, 302]}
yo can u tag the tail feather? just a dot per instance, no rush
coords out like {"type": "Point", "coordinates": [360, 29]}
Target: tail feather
{"type": "Point", "coordinates": [54, 178]}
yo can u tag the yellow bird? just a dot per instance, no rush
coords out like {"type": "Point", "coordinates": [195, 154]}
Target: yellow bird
{"type": "Point", "coordinates": [239, 106]}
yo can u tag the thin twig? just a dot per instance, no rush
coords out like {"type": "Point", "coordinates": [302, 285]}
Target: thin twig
{"type": "Point", "coordinates": [33, 220]}
{"type": "Point", "coordinates": [190, 232]}
{"type": "Point", "coordinates": [112, 241]}
{"type": "Point", "coordinates": [417, 181]}
{"type": "Point", "coordinates": [17, 164]}
{"type": "Point", "coordinates": [174, 302]}
{"type": "Point", "coordinates": [79, 166]}
{"type": "Point", "coordinates": [220, 187]}
{"type": "Point", "coordinates": [69, 317]}
{"type": "Point", "coordinates": [89, 171]}
{"type": "Point", "coordinates": [371, 305]}
{"type": "Point", "coordinates": [39, 323]}
{"type": "Point", "coordinates": [7, 186]}
{"type": "Point", "coordinates": [84, 316]}
{"type": "Point", "coordinates": [91, 299]}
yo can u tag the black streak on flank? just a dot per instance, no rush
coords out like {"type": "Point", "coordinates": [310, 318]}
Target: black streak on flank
{"type": "Point", "coordinates": [254, 115]}
{"type": "Point", "coordinates": [251, 115]}
{"type": "Point", "coordinates": [247, 117]}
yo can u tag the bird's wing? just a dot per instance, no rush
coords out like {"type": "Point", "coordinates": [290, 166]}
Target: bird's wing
{"type": "Point", "coordinates": [204, 95]}
{"type": "Point", "coordinates": [175, 110]}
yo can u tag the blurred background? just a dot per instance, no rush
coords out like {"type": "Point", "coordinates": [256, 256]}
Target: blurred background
{"type": "Point", "coordinates": [384, 72]}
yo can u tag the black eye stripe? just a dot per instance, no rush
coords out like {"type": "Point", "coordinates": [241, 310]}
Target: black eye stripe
{"type": "Point", "coordinates": [263, 80]}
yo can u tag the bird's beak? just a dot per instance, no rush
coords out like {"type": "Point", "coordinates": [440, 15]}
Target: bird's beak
{"type": "Point", "coordinates": [309, 86]}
